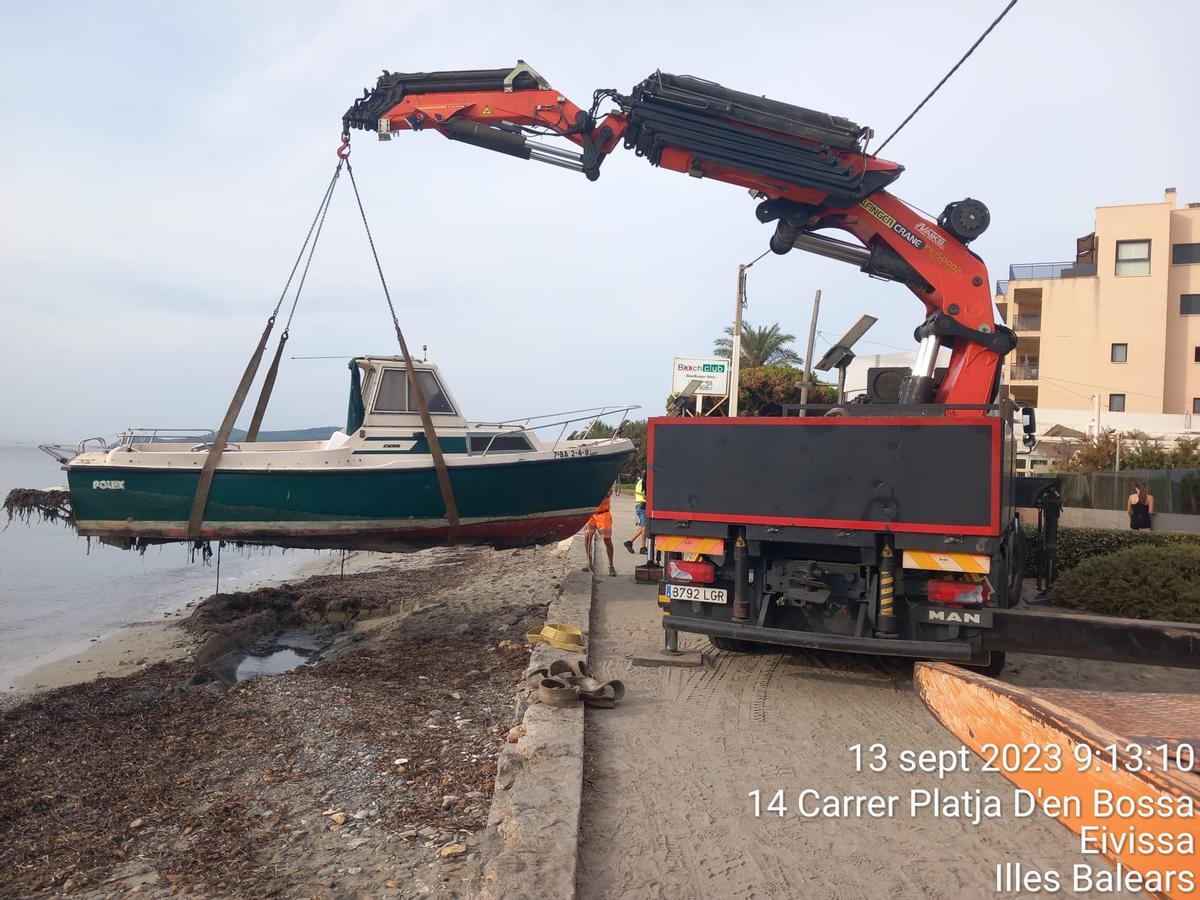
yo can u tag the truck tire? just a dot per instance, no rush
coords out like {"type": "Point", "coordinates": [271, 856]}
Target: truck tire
{"type": "Point", "coordinates": [735, 645]}
{"type": "Point", "coordinates": [1016, 567]}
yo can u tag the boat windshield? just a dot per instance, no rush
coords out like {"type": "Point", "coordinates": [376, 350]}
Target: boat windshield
{"type": "Point", "coordinates": [393, 396]}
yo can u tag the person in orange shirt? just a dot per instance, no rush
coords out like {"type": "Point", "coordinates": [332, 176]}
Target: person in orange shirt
{"type": "Point", "coordinates": [600, 522]}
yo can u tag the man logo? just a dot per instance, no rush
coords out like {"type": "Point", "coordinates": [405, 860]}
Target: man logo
{"type": "Point", "coordinates": [955, 617]}
{"type": "Point", "coordinates": [108, 485]}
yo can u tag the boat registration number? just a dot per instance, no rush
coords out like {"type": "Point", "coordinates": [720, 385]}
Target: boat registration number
{"type": "Point", "coordinates": [573, 451]}
{"type": "Point", "coordinates": [696, 594]}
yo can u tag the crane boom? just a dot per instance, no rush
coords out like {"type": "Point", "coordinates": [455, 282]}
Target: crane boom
{"type": "Point", "coordinates": [811, 172]}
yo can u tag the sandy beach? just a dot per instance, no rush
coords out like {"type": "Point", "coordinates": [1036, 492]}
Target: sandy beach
{"type": "Point", "coordinates": [133, 768]}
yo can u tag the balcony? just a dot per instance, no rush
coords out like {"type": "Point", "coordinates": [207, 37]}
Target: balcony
{"type": "Point", "coordinates": [1023, 372]}
{"type": "Point", "coordinates": [1027, 323]}
{"type": "Point", "coordinates": [1034, 271]}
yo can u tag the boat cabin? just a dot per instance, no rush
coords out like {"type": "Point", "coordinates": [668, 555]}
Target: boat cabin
{"type": "Point", "coordinates": [382, 407]}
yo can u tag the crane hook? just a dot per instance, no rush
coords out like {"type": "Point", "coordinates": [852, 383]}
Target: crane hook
{"type": "Point", "coordinates": [343, 151]}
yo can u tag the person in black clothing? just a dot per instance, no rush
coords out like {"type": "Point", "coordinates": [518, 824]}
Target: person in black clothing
{"type": "Point", "coordinates": [1140, 507]}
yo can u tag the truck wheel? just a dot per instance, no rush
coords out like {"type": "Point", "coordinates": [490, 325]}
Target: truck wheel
{"type": "Point", "coordinates": [1016, 573]}
{"type": "Point", "coordinates": [734, 645]}
{"type": "Point", "coordinates": [993, 668]}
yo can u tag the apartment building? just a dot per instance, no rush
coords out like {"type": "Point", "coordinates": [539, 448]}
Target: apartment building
{"type": "Point", "coordinates": [1118, 328]}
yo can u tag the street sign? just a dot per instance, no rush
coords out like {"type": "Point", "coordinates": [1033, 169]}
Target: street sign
{"type": "Point", "coordinates": [713, 375]}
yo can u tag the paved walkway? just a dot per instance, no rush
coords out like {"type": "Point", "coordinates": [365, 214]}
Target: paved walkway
{"type": "Point", "coordinates": [666, 811]}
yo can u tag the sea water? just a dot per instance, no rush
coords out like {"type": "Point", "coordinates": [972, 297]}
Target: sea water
{"type": "Point", "coordinates": [55, 595]}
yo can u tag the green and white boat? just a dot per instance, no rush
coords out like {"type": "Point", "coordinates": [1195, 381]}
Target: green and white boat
{"type": "Point", "coordinates": [371, 486]}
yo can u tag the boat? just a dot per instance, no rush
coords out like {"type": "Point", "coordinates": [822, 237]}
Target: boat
{"type": "Point", "coordinates": [372, 485]}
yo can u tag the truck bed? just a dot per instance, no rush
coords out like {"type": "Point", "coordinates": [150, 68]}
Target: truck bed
{"type": "Point", "coordinates": [878, 473]}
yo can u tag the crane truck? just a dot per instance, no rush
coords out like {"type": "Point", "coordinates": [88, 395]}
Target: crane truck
{"type": "Point", "coordinates": [885, 527]}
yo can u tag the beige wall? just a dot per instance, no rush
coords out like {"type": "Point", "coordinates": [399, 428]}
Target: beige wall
{"type": "Point", "coordinates": [1131, 309]}
{"type": "Point", "coordinates": [1182, 380]}
{"type": "Point", "coordinates": [1081, 318]}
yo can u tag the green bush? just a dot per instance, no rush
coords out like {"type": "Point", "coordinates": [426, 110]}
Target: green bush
{"type": "Point", "coordinates": [1145, 582]}
{"type": "Point", "coordinates": [1075, 545]}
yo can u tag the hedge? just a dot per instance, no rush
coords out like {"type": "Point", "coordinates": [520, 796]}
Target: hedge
{"type": "Point", "coordinates": [1146, 582]}
{"type": "Point", "coordinates": [1075, 545]}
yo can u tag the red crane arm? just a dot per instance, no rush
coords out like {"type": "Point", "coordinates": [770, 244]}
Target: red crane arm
{"type": "Point", "coordinates": [811, 171]}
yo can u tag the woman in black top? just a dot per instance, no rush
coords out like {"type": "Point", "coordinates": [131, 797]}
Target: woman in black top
{"type": "Point", "coordinates": [1140, 507]}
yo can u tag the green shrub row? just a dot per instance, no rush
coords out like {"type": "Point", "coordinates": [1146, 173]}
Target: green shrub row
{"type": "Point", "coordinates": [1146, 582]}
{"type": "Point", "coordinates": [1075, 545]}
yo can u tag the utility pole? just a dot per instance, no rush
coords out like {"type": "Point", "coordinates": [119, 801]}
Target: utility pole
{"type": "Point", "coordinates": [735, 368]}
{"type": "Point", "coordinates": [812, 336]}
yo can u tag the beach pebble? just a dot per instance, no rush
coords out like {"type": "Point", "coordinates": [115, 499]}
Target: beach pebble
{"type": "Point", "coordinates": [338, 818]}
{"type": "Point", "coordinates": [137, 823]}
{"type": "Point", "coordinates": [450, 851]}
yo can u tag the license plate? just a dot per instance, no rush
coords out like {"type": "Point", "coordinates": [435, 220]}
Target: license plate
{"type": "Point", "coordinates": [697, 594]}
{"type": "Point", "coordinates": [971, 616]}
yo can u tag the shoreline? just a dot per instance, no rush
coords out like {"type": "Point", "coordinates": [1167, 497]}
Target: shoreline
{"type": "Point", "coordinates": [137, 645]}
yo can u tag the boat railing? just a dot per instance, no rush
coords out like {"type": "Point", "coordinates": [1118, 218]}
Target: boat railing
{"type": "Point", "coordinates": [561, 420]}
{"type": "Point", "coordinates": [131, 436]}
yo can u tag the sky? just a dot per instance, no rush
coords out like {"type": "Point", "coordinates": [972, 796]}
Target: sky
{"type": "Point", "coordinates": [160, 163]}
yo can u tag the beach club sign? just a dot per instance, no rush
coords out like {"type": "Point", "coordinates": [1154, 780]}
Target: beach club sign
{"type": "Point", "coordinates": [713, 375]}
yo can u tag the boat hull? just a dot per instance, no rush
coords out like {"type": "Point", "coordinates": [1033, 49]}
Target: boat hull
{"type": "Point", "coordinates": [501, 504]}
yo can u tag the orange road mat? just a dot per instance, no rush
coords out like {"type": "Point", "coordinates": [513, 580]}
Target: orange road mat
{"type": "Point", "coordinates": [1122, 771]}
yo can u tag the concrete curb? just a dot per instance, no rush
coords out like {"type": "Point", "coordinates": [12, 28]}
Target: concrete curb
{"type": "Point", "coordinates": [530, 847]}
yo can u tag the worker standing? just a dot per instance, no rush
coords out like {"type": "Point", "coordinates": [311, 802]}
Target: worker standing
{"type": "Point", "coordinates": [639, 515]}
{"type": "Point", "coordinates": [600, 523]}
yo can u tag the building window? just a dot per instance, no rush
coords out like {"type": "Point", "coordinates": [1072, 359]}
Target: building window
{"type": "Point", "coordinates": [1185, 254]}
{"type": "Point", "coordinates": [1133, 257]}
{"type": "Point", "coordinates": [1189, 304]}
{"type": "Point", "coordinates": [1116, 403]}
{"type": "Point", "coordinates": [1120, 353]}
{"type": "Point", "coordinates": [1196, 405]}
{"type": "Point", "coordinates": [1196, 354]}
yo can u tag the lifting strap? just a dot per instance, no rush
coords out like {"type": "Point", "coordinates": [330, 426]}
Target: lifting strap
{"type": "Point", "coordinates": [268, 385]}
{"type": "Point", "coordinates": [200, 500]}
{"type": "Point", "coordinates": [435, 445]}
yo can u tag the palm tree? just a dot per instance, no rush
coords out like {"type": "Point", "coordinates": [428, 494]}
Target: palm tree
{"type": "Point", "coordinates": [760, 346]}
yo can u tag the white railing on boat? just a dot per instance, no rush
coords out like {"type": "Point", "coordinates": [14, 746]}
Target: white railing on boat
{"type": "Point", "coordinates": [63, 452]}
{"type": "Point", "coordinates": [131, 436]}
{"type": "Point", "coordinates": [592, 415]}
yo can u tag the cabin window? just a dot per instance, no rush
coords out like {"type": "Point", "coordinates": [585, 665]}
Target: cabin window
{"type": "Point", "coordinates": [368, 383]}
{"type": "Point", "coordinates": [499, 443]}
{"type": "Point", "coordinates": [393, 393]}
{"type": "Point", "coordinates": [435, 397]}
